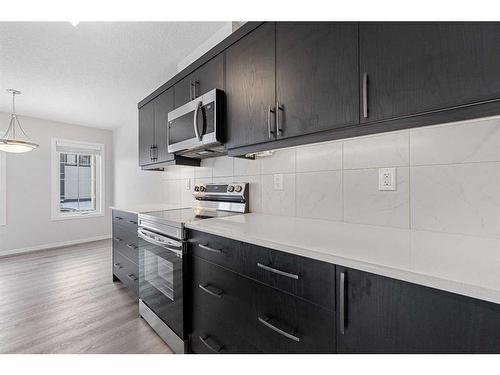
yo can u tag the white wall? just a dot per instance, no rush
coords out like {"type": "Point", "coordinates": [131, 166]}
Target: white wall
{"type": "Point", "coordinates": [448, 179]}
{"type": "Point", "coordinates": [29, 225]}
{"type": "Point", "coordinates": [132, 185]}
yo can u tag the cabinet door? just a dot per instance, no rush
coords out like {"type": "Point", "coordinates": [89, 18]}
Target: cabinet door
{"type": "Point", "coordinates": [146, 133]}
{"type": "Point", "coordinates": [163, 104]}
{"type": "Point", "coordinates": [207, 77]}
{"type": "Point", "coordinates": [417, 67]}
{"type": "Point", "coordinates": [250, 92]}
{"type": "Point", "coordinates": [383, 315]}
{"type": "Point", "coordinates": [316, 76]}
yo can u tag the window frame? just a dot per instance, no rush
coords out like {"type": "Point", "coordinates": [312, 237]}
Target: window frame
{"type": "Point", "coordinates": [56, 214]}
{"type": "Point", "coordinates": [3, 189]}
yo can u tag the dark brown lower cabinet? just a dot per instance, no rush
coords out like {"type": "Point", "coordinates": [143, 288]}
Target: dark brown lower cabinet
{"type": "Point", "coordinates": [232, 313]}
{"type": "Point", "coordinates": [384, 315]}
{"type": "Point", "coordinates": [126, 250]}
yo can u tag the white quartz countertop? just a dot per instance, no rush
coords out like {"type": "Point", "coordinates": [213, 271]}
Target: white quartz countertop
{"type": "Point", "coordinates": [147, 207]}
{"type": "Point", "coordinates": [460, 264]}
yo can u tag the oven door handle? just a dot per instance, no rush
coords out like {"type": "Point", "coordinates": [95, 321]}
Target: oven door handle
{"type": "Point", "coordinates": [195, 120]}
{"type": "Point", "coordinates": [142, 234]}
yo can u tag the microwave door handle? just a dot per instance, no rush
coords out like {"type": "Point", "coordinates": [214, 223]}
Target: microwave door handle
{"type": "Point", "coordinates": [195, 120]}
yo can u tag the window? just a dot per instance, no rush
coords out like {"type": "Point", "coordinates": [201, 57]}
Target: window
{"type": "Point", "coordinates": [77, 179]}
{"type": "Point", "coordinates": [3, 189]}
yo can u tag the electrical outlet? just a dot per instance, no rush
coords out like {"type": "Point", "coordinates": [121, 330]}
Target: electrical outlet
{"type": "Point", "coordinates": [387, 179]}
{"type": "Point", "coordinates": [188, 184]}
{"type": "Point", "coordinates": [278, 182]}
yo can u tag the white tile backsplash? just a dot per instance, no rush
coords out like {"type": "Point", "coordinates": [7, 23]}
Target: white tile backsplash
{"type": "Point", "coordinates": [447, 179]}
{"type": "Point", "coordinates": [457, 198]}
{"type": "Point", "coordinates": [278, 202]}
{"type": "Point", "coordinates": [473, 141]}
{"type": "Point", "coordinates": [319, 195]}
{"type": "Point", "coordinates": [282, 161]}
{"type": "Point", "coordinates": [386, 150]}
{"type": "Point", "coordinates": [319, 157]}
{"type": "Point", "coordinates": [364, 203]}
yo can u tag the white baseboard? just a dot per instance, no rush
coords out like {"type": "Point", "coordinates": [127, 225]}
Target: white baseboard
{"type": "Point", "coordinates": [53, 245]}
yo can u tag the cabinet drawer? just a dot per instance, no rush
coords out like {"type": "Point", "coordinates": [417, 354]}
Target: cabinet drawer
{"type": "Point", "coordinates": [287, 324]}
{"type": "Point", "coordinates": [126, 219]}
{"type": "Point", "coordinates": [126, 271]}
{"type": "Point", "coordinates": [307, 278]}
{"type": "Point", "coordinates": [126, 242]}
{"type": "Point", "coordinates": [210, 338]}
{"type": "Point", "coordinates": [224, 295]}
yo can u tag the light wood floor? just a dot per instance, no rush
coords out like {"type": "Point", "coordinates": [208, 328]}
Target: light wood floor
{"type": "Point", "coordinates": [64, 301]}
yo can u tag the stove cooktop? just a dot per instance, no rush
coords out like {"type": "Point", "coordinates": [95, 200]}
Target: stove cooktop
{"type": "Point", "coordinates": [181, 216]}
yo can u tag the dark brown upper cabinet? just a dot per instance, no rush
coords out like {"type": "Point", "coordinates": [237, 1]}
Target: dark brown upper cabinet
{"type": "Point", "coordinates": [417, 67]}
{"type": "Point", "coordinates": [146, 134]}
{"type": "Point", "coordinates": [316, 77]}
{"type": "Point", "coordinates": [250, 88]}
{"type": "Point", "coordinates": [153, 133]}
{"type": "Point", "coordinates": [163, 104]}
{"type": "Point", "coordinates": [207, 77]}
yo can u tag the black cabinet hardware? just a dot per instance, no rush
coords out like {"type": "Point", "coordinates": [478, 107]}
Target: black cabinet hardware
{"type": "Point", "coordinates": [132, 246]}
{"type": "Point", "coordinates": [131, 276]}
{"type": "Point", "coordinates": [118, 218]}
{"type": "Point", "coordinates": [267, 322]}
{"type": "Point", "coordinates": [132, 222]}
{"type": "Point", "coordinates": [117, 239]}
{"type": "Point", "coordinates": [277, 271]}
{"type": "Point", "coordinates": [214, 346]}
{"type": "Point", "coordinates": [211, 249]}
{"type": "Point", "coordinates": [270, 112]}
{"type": "Point", "coordinates": [279, 130]}
{"type": "Point", "coordinates": [342, 303]}
{"type": "Point", "coordinates": [365, 94]}
{"type": "Point", "coordinates": [211, 290]}
{"type": "Point", "coordinates": [117, 265]}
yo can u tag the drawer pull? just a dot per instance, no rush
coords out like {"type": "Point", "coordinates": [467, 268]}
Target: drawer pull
{"type": "Point", "coordinates": [118, 218]}
{"type": "Point", "coordinates": [266, 322]}
{"type": "Point", "coordinates": [214, 292]}
{"type": "Point", "coordinates": [117, 265]}
{"type": "Point", "coordinates": [117, 239]}
{"type": "Point", "coordinates": [132, 246]}
{"type": "Point", "coordinates": [216, 348]}
{"type": "Point", "coordinates": [131, 276]}
{"type": "Point", "coordinates": [208, 248]}
{"type": "Point", "coordinates": [279, 272]}
{"type": "Point", "coordinates": [132, 222]}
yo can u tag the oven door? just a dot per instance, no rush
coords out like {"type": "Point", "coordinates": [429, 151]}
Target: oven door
{"type": "Point", "coordinates": [194, 125]}
{"type": "Point", "coordinates": [161, 277]}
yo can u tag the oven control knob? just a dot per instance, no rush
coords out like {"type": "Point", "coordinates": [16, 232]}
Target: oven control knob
{"type": "Point", "coordinates": [238, 188]}
{"type": "Point", "coordinates": [202, 188]}
{"type": "Point", "coordinates": [230, 188]}
{"type": "Point", "coordinates": [196, 188]}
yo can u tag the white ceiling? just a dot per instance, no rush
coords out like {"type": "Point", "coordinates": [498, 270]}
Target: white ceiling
{"type": "Point", "coordinates": [95, 73]}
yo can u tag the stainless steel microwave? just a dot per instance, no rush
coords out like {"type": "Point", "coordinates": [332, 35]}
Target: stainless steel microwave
{"type": "Point", "coordinates": [194, 129]}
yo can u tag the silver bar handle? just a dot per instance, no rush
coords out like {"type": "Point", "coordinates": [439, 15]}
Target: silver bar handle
{"type": "Point", "coordinates": [131, 246]}
{"type": "Point", "coordinates": [145, 237]}
{"type": "Point", "coordinates": [117, 239]}
{"type": "Point", "coordinates": [365, 94]}
{"type": "Point", "coordinates": [217, 293]}
{"type": "Point", "coordinates": [215, 350]}
{"type": "Point", "coordinates": [117, 265]}
{"type": "Point", "coordinates": [195, 120]}
{"type": "Point", "coordinates": [266, 322]}
{"type": "Point", "coordinates": [269, 130]}
{"type": "Point", "coordinates": [279, 272]}
{"type": "Point", "coordinates": [342, 303]}
{"type": "Point", "coordinates": [195, 85]}
{"type": "Point", "coordinates": [191, 96]}
{"type": "Point", "coordinates": [208, 248]}
{"type": "Point", "coordinates": [279, 130]}
{"type": "Point", "coordinates": [132, 277]}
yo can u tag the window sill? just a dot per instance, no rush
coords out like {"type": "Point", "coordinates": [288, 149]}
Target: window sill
{"type": "Point", "coordinates": [77, 216]}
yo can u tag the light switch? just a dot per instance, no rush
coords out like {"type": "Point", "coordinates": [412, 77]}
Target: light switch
{"type": "Point", "coordinates": [387, 179]}
{"type": "Point", "coordinates": [278, 182]}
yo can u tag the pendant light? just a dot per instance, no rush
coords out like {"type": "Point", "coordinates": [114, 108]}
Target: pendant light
{"type": "Point", "coordinates": [10, 142]}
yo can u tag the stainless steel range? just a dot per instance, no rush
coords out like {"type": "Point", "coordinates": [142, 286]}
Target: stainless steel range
{"type": "Point", "coordinates": [162, 247]}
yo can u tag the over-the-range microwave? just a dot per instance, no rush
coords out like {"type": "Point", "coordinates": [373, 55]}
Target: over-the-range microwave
{"type": "Point", "coordinates": [195, 128]}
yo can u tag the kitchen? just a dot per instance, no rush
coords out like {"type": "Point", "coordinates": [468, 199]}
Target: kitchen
{"type": "Point", "coordinates": [284, 188]}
